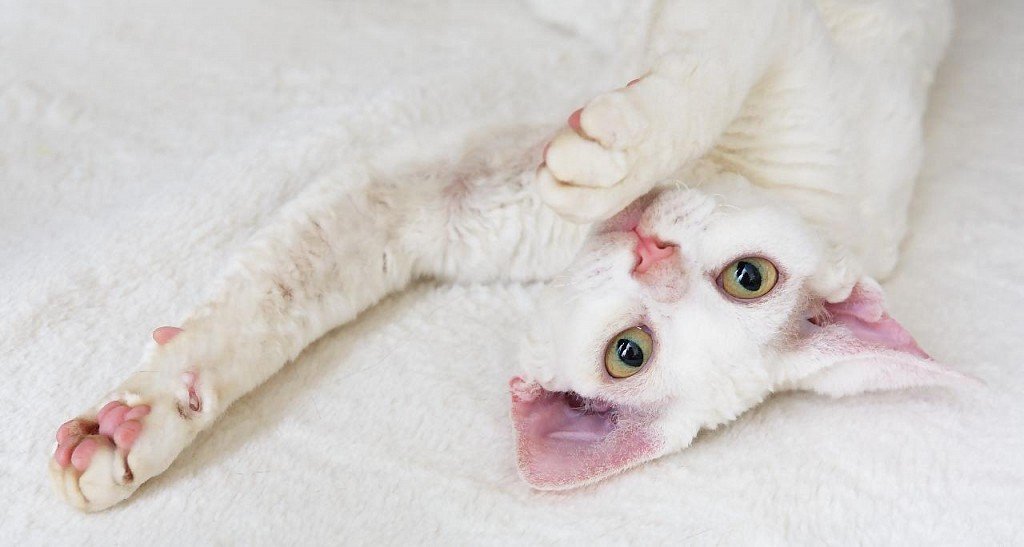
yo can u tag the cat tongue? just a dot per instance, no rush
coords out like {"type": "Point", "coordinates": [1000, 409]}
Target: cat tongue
{"type": "Point", "coordinates": [565, 440]}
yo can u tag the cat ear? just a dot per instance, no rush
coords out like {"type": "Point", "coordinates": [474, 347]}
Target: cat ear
{"type": "Point", "coordinates": [854, 346]}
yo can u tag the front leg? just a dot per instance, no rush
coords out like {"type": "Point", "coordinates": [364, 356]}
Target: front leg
{"type": "Point", "coordinates": [332, 254]}
{"type": "Point", "coordinates": [335, 251]}
{"type": "Point", "coordinates": [705, 57]}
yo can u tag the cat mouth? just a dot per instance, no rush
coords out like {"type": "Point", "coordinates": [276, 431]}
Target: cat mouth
{"type": "Point", "coordinates": [565, 440]}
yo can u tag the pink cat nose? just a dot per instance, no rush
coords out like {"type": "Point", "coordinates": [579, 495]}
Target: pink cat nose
{"type": "Point", "coordinates": [649, 251]}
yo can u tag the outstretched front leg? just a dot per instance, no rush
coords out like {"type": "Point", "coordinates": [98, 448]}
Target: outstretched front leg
{"type": "Point", "coordinates": [333, 253]}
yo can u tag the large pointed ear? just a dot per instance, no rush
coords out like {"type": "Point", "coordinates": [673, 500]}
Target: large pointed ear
{"type": "Point", "coordinates": [854, 346]}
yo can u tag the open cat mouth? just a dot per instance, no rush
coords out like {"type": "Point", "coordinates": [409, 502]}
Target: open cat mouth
{"type": "Point", "coordinates": [566, 440]}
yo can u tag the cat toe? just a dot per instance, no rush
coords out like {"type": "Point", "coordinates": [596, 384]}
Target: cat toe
{"type": "Point", "coordinates": [579, 204]}
{"type": "Point", "coordinates": [579, 161]}
{"type": "Point", "coordinates": [612, 120]}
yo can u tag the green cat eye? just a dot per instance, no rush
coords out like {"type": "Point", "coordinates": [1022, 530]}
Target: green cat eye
{"type": "Point", "coordinates": [628, 352]}
{"type": "Point", "coordinates": [749, 277]}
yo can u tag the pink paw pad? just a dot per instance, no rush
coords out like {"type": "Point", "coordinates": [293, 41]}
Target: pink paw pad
{"type": "Point", "coordinates": [574, 121]}
{"type": "Point", "coordinates": [117, 425]}
{"type": "Point", "coordinates": [191, 380]}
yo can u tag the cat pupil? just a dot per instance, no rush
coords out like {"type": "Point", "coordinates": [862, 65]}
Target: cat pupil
{"type": "Point", "coordinates": [629, 352]}
{"type": "Point", "coordinates": [748, 276]}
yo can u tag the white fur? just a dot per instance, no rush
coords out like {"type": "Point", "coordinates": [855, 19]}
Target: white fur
{"type": "Point", "coordinates": [129, 180]}
{"type": "Point", "coordinates": [795, 109]}
{"type": "Point", "coordinates": [809, 129]}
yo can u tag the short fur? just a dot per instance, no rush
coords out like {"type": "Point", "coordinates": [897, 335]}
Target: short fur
{"type": "Point", "coordinates": [784, 129]}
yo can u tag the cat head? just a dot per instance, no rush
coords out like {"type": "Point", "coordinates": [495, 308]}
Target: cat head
{"type": "Point", "coordinates": [681, 313]}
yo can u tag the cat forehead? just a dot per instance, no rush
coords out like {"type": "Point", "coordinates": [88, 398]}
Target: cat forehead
{"type": "Point", "coordinates": [717, 227]}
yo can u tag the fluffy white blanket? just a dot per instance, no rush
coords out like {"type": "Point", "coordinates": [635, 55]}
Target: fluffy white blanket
{"type": "Point", "coordinates": [142, 142]}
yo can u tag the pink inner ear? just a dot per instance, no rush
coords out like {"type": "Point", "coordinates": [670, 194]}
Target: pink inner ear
{"type": "Point", "coordinates": [864, 315]}
{"type": "Point", "coordinates": [566, 440]}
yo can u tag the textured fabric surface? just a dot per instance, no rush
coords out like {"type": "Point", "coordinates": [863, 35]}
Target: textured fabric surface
{"type": "Point", "coordinates": [141, 143]}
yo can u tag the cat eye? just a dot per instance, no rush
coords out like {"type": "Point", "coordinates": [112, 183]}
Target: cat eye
{"type": "Point", "coordinates": [628, 352]}
{"type": "Point", "coordinates": [748, 278]}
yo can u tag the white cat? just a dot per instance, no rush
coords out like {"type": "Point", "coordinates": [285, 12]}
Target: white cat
{"type": "Point", "coordinates": [757, 177]}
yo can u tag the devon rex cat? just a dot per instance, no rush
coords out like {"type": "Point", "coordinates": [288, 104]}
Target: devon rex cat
{"type": "Point", "coordinates": [745, 192]}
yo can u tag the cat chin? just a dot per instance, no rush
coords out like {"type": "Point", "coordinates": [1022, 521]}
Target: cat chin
{"type": "Point", "coordinates": [566, 440]}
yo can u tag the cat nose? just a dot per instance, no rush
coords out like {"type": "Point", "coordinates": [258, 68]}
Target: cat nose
{"type": "Point", "coordinates": [649, 251]}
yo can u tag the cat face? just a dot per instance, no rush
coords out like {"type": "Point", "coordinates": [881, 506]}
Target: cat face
{"type": "Point", "coordinates": [681, 313]}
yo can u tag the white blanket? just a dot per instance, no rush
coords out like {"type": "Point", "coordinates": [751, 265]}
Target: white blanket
{"type": "Point", "coordinates": [142, 142]}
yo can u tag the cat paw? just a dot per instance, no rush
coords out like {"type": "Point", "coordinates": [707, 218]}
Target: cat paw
{"type": "Point", "coordinates": [594, 151]}
{"type": "Point", "coordinates": [90, 466]}
{"type": "Point", "coordinates": [102, 457]}
{"type": "Point", "coordinates": [589, 171]}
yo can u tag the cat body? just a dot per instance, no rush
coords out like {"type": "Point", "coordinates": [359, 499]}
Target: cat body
{"type": "Point", "coordinates": [773, 142]}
